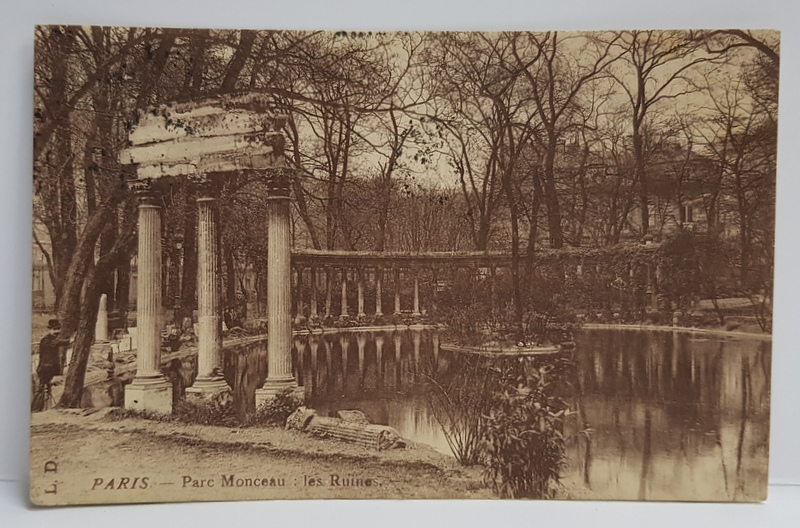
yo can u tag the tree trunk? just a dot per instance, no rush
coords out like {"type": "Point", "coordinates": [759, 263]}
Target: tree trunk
{"type": "Point", "coordinates": [551, 197]}
{"type": "Point", "coordinates": [189, 279]}
{"type": "Point", "coordinates": [84, 338]}
{"type": "Point", "coordinates": [123, 292]}
{"type": "Point", "coordinates": [82, 257]}
{"type": "Point", "coordinates": [641, 178]}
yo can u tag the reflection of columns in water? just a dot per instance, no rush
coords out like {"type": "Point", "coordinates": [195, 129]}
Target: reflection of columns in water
{"type": "Point", "coordinates": [279, 302]}
{"type": "Point", "coordinates": [435, 346]}
{"type": "Point", "coordinates": [416, 312]}
{"type": "Point", "coordinates": [343, 313]}
{"type": "Point", "coordinates": [397, 358]}
{"type": "Point", "coordinates": [647, 450]}
{"type": "Point", "coordinates": [361, 340]}
{"type": "Point", "coordinates": [416, 338]}
{"type": "Point", "coordinates": [379, 358]}
{"type": "Point", "coordinates": [329, 377]}
{"type": "Point", "coordinates": [360, 279]}
{"type": "Point", "coordinates": [328, 293]}
{"type": "Point", "coordinates": [396, 291]}
{"type": "Point", "coordinates": [344, 341]}
{"type": "Point", "coordinates": [378, 291]}
{"type": "Point", "coordinates": [209, 380]}
{"type": "Point", "coordinates": [311, 383]}
{"type": "Point", "coordinates": [676, 348]}
{"type": "Point", "coordinates": [300, 350]}
{"type": "Point", "coordinates": [313, 286]}
{"type": "Point", "coordinates": [599, 373]}
{"type": "Point", "coordinates": [149, 389]}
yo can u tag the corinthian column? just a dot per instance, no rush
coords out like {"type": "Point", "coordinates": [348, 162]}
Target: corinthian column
{"type": "Point", "coordinates": [344, 314]}
{"type": "Point", "coordinates": [416, 312]}
{"type": "Point", "coordinates": [313, 278]}
{"type": "Point", "coordinates": [149, 390]}
{"type": "Point", "coordinates": [279, 292]}
{"type": "Point", "coordinates": [328, 292]}
{"type": "Point", "coordinates": [360, 280]}
{"type": "Point", "coordinates": [210, 380]}
{"type": "Point", "coordinates": [396, 291]}
{"type": "Point", "coordinates": [378, 292]}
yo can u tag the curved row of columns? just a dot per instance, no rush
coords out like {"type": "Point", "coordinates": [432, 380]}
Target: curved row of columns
{"type": "Point", "coordinates": [344, 308]}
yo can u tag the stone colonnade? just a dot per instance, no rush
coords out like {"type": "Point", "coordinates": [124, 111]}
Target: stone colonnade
{"type": "Point", "coordinates": [338, 277]}
{"type": "Point", "coordinates": [149, 389]}
{"type": "Point", "coordinates": [203, 141]}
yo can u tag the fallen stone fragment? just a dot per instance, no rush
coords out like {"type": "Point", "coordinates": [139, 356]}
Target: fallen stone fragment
{"type": "Point", "coordinates": [352, 426]}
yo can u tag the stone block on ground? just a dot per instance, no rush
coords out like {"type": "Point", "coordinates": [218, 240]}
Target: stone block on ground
{"type": "Point", "coordinates": [299, 419]}
{"type": "Point", "coordinates": [352, 426]}
{"type": "Point", "coordinates": [355, 416]}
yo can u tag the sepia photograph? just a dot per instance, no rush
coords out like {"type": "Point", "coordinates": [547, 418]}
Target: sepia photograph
{"type": "Point", "coordinates": [297, 264]}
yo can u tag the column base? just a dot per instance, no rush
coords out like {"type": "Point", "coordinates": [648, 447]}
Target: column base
{"type": "Point", "coordinates": [149, 394]}
{"type": "Point", "coordinates": [272, 387]}
{"type": "Point", "coordinates": [208, 388]}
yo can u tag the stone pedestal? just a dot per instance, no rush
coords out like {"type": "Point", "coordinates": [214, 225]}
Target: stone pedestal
{"type": "Point", "coordinates": [149, 395]}
{"type": "Point", "coordinates": [149, 391]}
{"type": "Point", "coordinates": [279, 301]}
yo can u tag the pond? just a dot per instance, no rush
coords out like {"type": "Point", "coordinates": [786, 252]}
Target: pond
{"type": "Point", "coordinates": [669, 415]}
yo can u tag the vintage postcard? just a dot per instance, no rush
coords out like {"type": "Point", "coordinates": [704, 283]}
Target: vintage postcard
{"type": "Point", "coordinates": [310, 264]}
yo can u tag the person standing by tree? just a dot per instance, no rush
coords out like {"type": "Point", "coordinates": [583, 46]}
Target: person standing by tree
{"type": "Point", "coordinates": [51, 363]}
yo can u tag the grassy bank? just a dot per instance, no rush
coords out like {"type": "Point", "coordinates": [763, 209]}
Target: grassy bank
{"type": "Point", "coordinates": [87, 447]}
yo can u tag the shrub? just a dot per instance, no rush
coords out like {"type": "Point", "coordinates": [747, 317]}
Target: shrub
{"type": "Point", "coordinates": [459, 404]}
{"type": "Point", "coordinates": [217, 410]}
{"type": "Point", "coordinates": [524, 444]}
{"type": "Point", "coordinates": [276, 410]}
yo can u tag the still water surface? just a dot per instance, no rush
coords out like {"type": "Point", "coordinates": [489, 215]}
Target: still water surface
{"type": "Point", "coordinates": [670, 415]}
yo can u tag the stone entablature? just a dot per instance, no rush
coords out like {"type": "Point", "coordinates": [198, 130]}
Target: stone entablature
{"type": "Point", "coordinates": [224, 134]}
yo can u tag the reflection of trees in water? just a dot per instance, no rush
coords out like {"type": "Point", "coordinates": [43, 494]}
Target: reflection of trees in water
{"type": "Point", "coordinates": [707, 400]}
{"type": "Point", "coordinates": [686, 411]}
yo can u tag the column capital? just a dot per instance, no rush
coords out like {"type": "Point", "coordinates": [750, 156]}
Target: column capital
{"type": "Point", "coordinates": [279, 180]}
{"type": "Point", "coordinates": [146, 192]}
{"type": "Point", "coordinates": [208, 185]}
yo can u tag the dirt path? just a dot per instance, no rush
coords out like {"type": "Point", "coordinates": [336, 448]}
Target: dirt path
{"type": "Point", "coordinates": [99, 461]}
